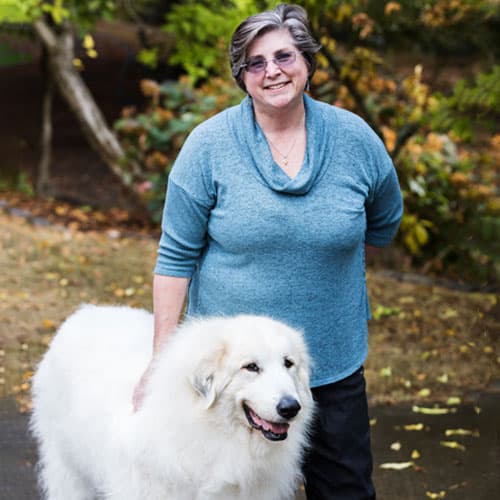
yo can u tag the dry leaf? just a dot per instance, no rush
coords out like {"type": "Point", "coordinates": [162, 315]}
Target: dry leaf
{"type": "Point", "coordinates": [397, 465]}
{"type": "Point", "coordinates": [461, 432]}
{"type": "Point", "coordinates": [452, 444]}
{"type": "Point", "coordinates": [396, 446]}
{"type": "Point", "coordinates": [414, 427]}
{"type": "Point", "coordinates": [430, 494]}
{"type": "Point", "coordinates": [415, 455]}
{"type": "Point", "coordinates": [433, 411]}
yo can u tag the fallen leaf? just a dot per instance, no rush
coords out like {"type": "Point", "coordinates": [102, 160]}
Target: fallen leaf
{"type": "Point", "coordinates": [453, 401]}
{"type": "Point", "coordinates": [424, 393]}
{"type": "Point", "coordinates": [433, 411]}
{"type": "Point", "coordinates": [397, 465]}
{"type": "Point", "coordinates": [386, 372]}
{"type": "Point", "coordinates": [414, 427]}
{"type": "Point", "coordinates": [396, 446]}
{"type": "Point", "coordinates": [415, 455]}
{"type": "Point", "coordinates": [430, 494]}
{"type": "Point", "coordinates": [461, 432]}
{"type": "Point", "coordinates": [452, 444]}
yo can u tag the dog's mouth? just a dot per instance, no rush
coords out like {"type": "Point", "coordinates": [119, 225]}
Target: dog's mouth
{"type": "Point", "coordinates": [273, 431]}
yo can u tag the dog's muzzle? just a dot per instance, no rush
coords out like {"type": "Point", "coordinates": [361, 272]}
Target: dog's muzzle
{"type": "Point", "coordinates": [287, 408]}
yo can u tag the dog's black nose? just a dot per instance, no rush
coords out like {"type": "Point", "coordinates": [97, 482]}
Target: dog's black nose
{"type": "Point", "coordinates": [288, 407]}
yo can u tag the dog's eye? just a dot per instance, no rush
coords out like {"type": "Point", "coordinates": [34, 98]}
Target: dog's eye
{"type": "Point", "coordinates": [288, 363]}
{"type": "Point", "coordinates": [252, 367]}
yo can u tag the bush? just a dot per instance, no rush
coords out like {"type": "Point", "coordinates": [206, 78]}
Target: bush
{"type": "Point", "coordinates": [452, 209]}
{"type": "Point", "coordinates": [154, 136]}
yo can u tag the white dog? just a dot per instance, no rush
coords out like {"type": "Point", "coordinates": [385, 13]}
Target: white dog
{"type": "Point", "coordinates": [225, 413]}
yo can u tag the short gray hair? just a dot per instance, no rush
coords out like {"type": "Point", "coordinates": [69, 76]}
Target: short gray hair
{"type": "Point", "coordinates": [284, 16]}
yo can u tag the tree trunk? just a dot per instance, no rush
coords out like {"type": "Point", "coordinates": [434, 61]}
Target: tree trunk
{"type": "Point", "coordinates": [43, 187]}
{"type": "Point", "coordinates": [60, 49]}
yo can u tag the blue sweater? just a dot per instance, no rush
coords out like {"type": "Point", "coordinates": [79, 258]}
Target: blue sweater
{"type": "Point", "coordinates": [252, 240]}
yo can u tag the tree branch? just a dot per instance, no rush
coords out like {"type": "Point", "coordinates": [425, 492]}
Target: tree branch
{"type": "Point", "coordinates": [404, 135]}
{"type": "Point", "coordinates": [351, 87]}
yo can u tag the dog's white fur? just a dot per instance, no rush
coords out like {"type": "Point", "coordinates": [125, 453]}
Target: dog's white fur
{"type": "Point", "coordinates": [190, 440]}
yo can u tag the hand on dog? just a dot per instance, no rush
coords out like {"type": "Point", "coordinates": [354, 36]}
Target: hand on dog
{"type": "Point", "coordinates": [140, 389]}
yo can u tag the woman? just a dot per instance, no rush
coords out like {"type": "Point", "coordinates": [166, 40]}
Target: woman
{"type": "Point", "coordinates": [269, 207]}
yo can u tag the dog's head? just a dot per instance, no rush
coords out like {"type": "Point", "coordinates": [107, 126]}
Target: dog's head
{"type": "Point", "coordinates": [255, 373]}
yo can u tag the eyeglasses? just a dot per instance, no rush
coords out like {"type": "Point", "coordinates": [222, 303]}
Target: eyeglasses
{"type": "Point", "coordinates": [259, 64]}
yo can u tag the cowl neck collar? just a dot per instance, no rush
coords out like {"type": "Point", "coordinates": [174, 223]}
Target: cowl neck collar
{"type": "Point", "coordinates": [255, 151]}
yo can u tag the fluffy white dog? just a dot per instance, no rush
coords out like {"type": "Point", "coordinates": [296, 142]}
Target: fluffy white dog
{"type": "Point", "coordinates": [225, 414]}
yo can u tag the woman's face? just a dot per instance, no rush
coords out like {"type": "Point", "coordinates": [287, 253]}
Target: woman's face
{"type": "Point", "coordinates": [276, 87]}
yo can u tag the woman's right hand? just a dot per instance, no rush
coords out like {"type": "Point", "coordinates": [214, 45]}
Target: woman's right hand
{"type": "Point", "coordinates": [140, 389]}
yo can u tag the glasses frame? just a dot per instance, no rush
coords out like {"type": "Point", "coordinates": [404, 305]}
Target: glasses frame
{"type": "Point", "coordinates": [245, 66]}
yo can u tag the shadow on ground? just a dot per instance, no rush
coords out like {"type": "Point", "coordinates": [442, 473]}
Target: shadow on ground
{"type": "Point", "coordinates": [469, 469]}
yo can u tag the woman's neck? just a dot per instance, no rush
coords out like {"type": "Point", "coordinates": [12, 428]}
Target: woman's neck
{"type": "Point", "coordinates": [276, 121]}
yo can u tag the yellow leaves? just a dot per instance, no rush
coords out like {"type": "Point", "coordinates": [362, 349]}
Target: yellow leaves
{"type": "Point", "coordinates": [391, 7]}
{"type": "Point", "coordinates": [452, 444]}
{"type": "Point", "coordinates": [461, 432]}
{"type": "Point", "coordinates": [344, 11]}
{"type": "Point", "coordinates": [424, 393]}
{"type": "Point", "coordinates": [416, 231]}
{"type": "Point", "coordinates": [386, 372]}
{"type": "Point", "coordinates": [89, 45]}
{"type": "Point", "coordinates": [432, 411]}
{"type": "Point", "coordinates": [88, 42]}
{"type": "Point", "coordinates": [453, 401]}
{"type": "Point", "coordinates": [414, 427]}
{"type": "Point", "coordinates": [77, 63]}
{"type": "Point", "coordinates": [398, 466]}
{"type": "Point", "coordinates": [415, 455]}
{"type": "Point", "coordinates": [441, 494]}
{"type": "Point", "coordinates": [56, 11]}
{"type": "Point", "coordinates": [383, 311]}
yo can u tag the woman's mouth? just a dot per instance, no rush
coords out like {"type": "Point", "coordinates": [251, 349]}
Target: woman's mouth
{"type": "Point", "coordinates": [276, 86]}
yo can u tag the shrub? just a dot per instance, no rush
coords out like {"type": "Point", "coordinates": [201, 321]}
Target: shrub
{"type": "Point", "coordinates": [154, 136]}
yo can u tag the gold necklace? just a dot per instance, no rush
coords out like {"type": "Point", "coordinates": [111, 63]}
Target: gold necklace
{"type": "Point", "coordinates": [285, 157]}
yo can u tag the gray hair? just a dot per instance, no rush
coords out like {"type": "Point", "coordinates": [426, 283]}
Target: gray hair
{"type": "Point", "coordinates": [284, 16]}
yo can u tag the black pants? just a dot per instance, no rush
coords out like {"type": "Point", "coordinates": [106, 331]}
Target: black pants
{"type": "Point", "coordinates": [339, 463]}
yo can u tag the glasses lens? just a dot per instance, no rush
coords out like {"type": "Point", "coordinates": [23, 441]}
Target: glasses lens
{"type": "Point", "coordinates": [256, 65]}
{"type": "Point", "coordinates": [259, 64]}
{"type": "Point", "coordinates": [285, 58]}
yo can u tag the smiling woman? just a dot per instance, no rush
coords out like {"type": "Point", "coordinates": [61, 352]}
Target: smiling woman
{"type": "Point", "coordinates": [269, 208]}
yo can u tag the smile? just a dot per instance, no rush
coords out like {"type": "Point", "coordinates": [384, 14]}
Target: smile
{"type": "Point", "coordinates": [273, 431]}
{"type": "Point", "coordinates": [276, 86]}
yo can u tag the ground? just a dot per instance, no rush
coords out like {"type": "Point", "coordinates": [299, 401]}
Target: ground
{"type": "Point", "coordinates": [427, 343]}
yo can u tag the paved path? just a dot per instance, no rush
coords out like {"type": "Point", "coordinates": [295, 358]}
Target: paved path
{"type": "Point", "coordinates": [469, 474]}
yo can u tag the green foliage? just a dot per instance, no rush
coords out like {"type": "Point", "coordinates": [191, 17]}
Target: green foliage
{"type": "Point", "coordinates": [154, 136]}
{"type": "Point", "coordinates": [82, 14]}
{"type": "Point", "coordinates": [452, 209]}
{"type": "Point", "coordinates": [202, 32]}
{"type": "Point", "coordinates": [471, 107]}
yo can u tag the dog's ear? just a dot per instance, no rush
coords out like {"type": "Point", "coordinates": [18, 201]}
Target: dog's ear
{"type": "Point", "coordinates": [208, 379]}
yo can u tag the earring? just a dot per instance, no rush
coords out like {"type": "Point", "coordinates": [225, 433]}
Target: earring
{"type": "Point", "coordinates": [308, 86]}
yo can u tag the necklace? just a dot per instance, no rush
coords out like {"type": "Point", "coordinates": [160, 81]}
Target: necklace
{"type": "Point", "coordinates": [285, 157]}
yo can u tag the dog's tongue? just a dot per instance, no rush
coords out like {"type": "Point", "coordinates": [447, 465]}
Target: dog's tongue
{"type": "Point", "coordinates": [270, 426]}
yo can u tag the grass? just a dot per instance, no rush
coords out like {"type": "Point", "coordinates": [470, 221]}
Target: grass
{"type": "Point", "coordinates": [427, 343]}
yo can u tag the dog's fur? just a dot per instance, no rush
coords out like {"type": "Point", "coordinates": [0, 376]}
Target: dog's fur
{"type": "Point", "coordinates": [193, 438]}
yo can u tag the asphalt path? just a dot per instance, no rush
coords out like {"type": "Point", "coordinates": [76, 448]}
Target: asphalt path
{"type": "Point", "coordinates": [463, 463]}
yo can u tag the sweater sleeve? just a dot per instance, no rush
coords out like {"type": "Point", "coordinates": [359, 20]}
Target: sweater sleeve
{"type": "Point", "coordinates": [384, 206]}
{"type": "Point", "coordinates": [188, 203]}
